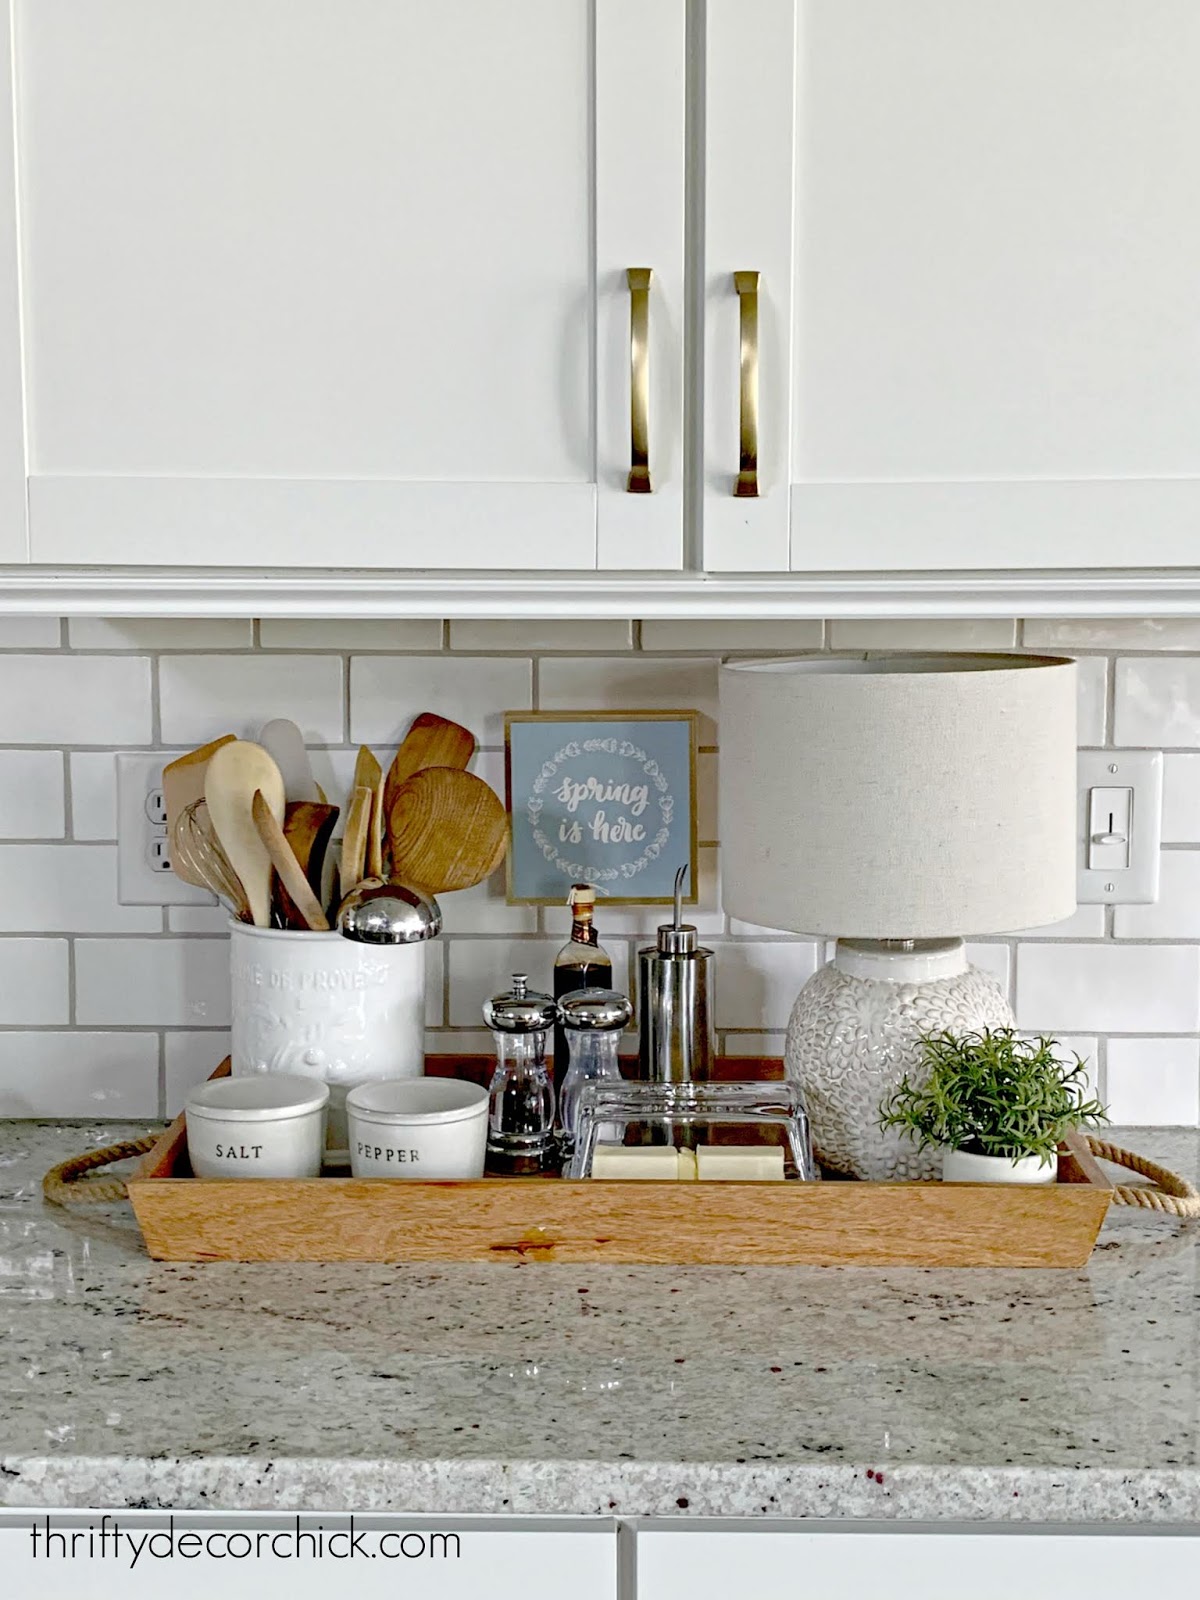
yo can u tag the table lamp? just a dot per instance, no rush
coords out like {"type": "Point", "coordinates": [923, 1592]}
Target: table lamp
{"type": "Point", "coordinates": [895, 803]}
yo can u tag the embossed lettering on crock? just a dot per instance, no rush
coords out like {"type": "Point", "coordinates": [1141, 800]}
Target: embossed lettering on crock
{"type": "Point", "coordinates": [239, 1152]}
{"type": "Point", "coordinates": [378, 1152]}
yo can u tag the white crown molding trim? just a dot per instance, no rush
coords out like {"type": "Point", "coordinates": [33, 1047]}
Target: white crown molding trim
{"type": "Point", "coordinates": [198, 592]}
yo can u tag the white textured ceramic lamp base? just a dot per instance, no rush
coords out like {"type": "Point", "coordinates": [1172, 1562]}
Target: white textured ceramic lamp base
{"type": "Point", "coordinates": [964, 1166]}
{"type": "Point", "coordinates": [854, 1033]}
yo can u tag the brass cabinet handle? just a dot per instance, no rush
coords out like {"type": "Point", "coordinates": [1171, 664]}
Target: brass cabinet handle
{"type": "Point", "coordinates": [639, 379]}
{"type": "Point", "coordinates": [746, 487]}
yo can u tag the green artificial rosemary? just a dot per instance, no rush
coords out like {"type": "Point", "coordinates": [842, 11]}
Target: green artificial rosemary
{"type": "Point", "coordinates": [992, 1093]}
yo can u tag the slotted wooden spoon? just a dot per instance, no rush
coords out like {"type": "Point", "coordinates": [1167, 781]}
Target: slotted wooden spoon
{"type": "Point", "coordinates": [448, 830]}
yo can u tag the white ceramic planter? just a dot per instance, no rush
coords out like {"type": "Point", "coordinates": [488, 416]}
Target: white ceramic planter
{"type": "Point", "coordinates": [325, 1007]}
{"type": "Point", "coordinates": [962, 1166]}
{"type": "Point", "coordinates": [271, 1126]}
{"type": "Point", "coordinates": [428, 1130]}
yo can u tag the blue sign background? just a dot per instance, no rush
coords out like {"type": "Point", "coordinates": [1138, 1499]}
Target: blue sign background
{"type": "Point", "coordinates": [600, 800]}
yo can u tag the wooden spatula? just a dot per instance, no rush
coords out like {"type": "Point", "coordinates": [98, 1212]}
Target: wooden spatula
{"type": "Point", "coordinates": [308, 829]}
{"type": "Point", "coordinates": [368, 774]}
{"type": "Point", "coordinates": [285, 864]}
{"type": "Point", "coordinates": [284, 743]}
{"type": "Point", "coordinates": [354, 841]}
{"type": "Point", "coordinates": [432, 741]}
{"type": "Point", "coordinates": [448, 830]}
{"type": "Point", "coordinates": [182, 784]}
{"type": "Point", "coordinates": [235, 771]}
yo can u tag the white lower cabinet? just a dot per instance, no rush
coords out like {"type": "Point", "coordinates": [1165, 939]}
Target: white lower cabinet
{"type": "Point", "coordinates": [197, 1555]}
{"type": "Point", "coordinates": [932, 1564]}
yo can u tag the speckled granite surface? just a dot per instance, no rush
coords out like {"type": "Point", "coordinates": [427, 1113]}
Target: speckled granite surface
{"type": "Point", "coordinates": [617, 1390]}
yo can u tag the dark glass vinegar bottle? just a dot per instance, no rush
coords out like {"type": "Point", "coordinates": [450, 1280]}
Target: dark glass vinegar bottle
{"type": "Point", "coordinates": [582, 963]}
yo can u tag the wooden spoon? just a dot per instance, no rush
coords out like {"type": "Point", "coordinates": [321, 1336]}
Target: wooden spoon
{"type": "Point", "coordinates": [368, 774]}
{"type": "Point", "coordinates": [432, 741]}
{"type": "Point", "coordinates": [354, 842]}
{"type": "Point", "coordinates": [308, 829]}
{"type": "Point", "coordinates": [284, 861]}
{"type": "Point", "coordinates": [183, 784]}
{"type": "Point", "coordinates": [235, 771]}
{"type": "Point", "coordinates": [448, 830]}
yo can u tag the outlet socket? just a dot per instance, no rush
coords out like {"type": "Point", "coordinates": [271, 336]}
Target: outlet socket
{"type": "Point", "coordinates": [144, 875]}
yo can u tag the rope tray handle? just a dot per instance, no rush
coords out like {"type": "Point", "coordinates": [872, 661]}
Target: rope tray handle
{"type": "Point", "coordinates": [1173, 1195]}
{"type": "Point", "coordinates": [62, 1187]}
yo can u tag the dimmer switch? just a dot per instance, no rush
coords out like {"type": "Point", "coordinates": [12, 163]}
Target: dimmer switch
{"type": "Point", "coordinates": [1120, 826]}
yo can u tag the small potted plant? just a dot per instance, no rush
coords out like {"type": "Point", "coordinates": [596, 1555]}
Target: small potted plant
{"type": "Point", "coordinates": [996, 1104]}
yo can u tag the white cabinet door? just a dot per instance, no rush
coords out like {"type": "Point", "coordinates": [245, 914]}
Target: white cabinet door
{"type": "Point", "coordinates": [344, 282]}
{"type": "Point", "coordinates": [942, 1564]}
{"type": "Point", "coordinates": [978, 244]}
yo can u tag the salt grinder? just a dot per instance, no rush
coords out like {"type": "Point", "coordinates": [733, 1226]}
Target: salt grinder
{"type": "Point", "coordinates": [675, 1028]}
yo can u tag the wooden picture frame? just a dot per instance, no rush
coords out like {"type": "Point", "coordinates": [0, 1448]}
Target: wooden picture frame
{"type": "Point", "coordinates": [651, 773]}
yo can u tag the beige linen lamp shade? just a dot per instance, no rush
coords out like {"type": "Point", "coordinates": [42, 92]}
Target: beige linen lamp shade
{"type": "Point", "coordinates": [899, 797]}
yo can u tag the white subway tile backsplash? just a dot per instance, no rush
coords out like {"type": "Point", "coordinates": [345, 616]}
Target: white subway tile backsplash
{"type": "Point", "coordinates": [190, 1058]}
{"type": "Point", "coordinates": [57, 700]}
{"type": "Point", "coordinates": [941, 633]}
{"type": "Point", "coordinates": [160, 633]}
{"type": "Point", "coordinates": [1181, 799]}
{"type": "Point", "coordinates": [1157, 702]}
{"type": "Point", "coordinates": [148, 981]}
{"type": "Point", "coordinates": [994, 959]}
{"type": "Point", "coordinates": [66, 888]}
{"type": "Point", "coordinates": [30, 633]}
{"type": "Point", "coordinates": [202, 697]}
{"type": "Point", "coordinates": [387, 692]}
{"type": "Point", "coordinates": [35, 985]}
{"type": "Point", "coordinates": [591, 633]}
{"type": "Point", "coordinates": [1109, 988]}
{"type": "Point", "coordinates": [755, 1044]}
{"type": "Point", "coordinates": [79, 1075]}
{"type": "Point", "coordinates": [480, 968]}
{"type": "Point", "coordinates": [32, 804]}
{"type": "Point", "coordinates": [1087, 922]}
{"type": "Point", "coordinates": [367, 633]}
{"type": "Point", "coordinates": [163, 983]}
{"type": "Point", "coordinates": [1176, 912]}
{"type": "Point", "coordinates": [757, 984]}
{"type": "Point", "coordinates": [632, 683]}
{"type": "Point", "coordinates": [1092, 675]}
{"type": "Point", "coordinates": [698, 633]}
{"type": "Point", "coordinates": [484, 909]}
{"type": "Point", "coordinates": [93, 794]}
{"type": "Point", "coordinates": [1115, 633]}
{"type": "Point", "coordinates": [1153, 1081]}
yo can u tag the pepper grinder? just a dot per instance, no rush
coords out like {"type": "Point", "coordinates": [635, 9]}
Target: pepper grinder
{"type": "Point", "coordinates": [675, 1027]}
{"type": "Point", "coordinates": [521, 1094]}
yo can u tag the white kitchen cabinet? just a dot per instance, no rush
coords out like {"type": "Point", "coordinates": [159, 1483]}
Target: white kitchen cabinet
{"type": "Point", "coordinates": [977, 241]}
{"type": "Point", "coordinates": [343, 283]}
{"type": "Point", "coordinates": [933, 1564]}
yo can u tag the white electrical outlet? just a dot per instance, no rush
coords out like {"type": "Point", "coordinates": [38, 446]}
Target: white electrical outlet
{"type": "Point", "coordinates": [144, 875]}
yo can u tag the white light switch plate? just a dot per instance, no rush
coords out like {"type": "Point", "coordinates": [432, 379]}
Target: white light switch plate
{"type": "Point", "coordinates": [1108, 881]}
{"type": "Point", "coordinates": [141, 836]}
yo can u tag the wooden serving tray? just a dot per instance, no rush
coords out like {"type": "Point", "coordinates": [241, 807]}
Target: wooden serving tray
{"type": "Point", "coordinates": [184, 1218]}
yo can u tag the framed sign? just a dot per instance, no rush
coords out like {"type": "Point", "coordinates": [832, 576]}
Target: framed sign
{"type": "Point", "coordinates": [600, 797]}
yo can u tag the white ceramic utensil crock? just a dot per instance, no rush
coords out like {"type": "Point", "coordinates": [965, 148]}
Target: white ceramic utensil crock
{"type": "Point", "coordinates": [338, 1010]}
{"type": "Point", "coordinates": [272, 1126]}
{"type": "Point", "coordinates": [430, 1129]}
{"type": "Point", "coordinates": [963, 1166]}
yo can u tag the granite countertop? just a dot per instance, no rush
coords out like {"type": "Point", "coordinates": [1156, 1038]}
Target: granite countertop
{"type": "Point", "coordinates": [632, 1391]}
